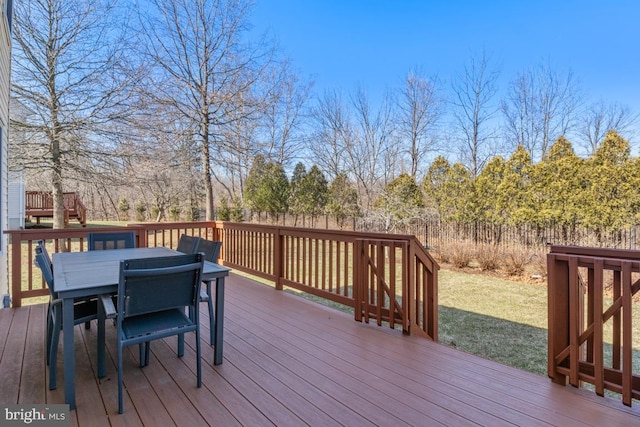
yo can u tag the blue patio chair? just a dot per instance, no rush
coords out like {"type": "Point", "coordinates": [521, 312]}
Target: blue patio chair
{"type": "Point", "coordinates": [188, 244]}
{"type": "Point", "coordinates": [84, 311]}
{"type": "Point", "coordinates": [211, 251]}
{"type": "Point", "coordinates": [152, 296]}
{"type": "Point", "coordinates": [111, 240]}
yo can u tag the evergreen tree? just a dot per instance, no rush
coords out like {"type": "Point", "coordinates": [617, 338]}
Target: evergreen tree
{"type": "Point", "coordinates": [458, 193]}
{"type": "Point", "coordinates": [342, 200]}
{"type": "Point", "coordinates": [274, 190]}
{"type": "Point", "coordinates": [400, 201]}
{"type": "Point", "coordinates": [252, 185]}
{"type": "Point", "coordinates": [224, 211]}
{"type": "Point", "coordinates": [513, 193]}
{"type": "Point", "coordinates": [447, 188]}
{"type": "Point", "coordinates": [295, 202]}
{"type": "Point", "coordinates": [610, 186]}
{"type": "Point", "coordinates": [434, 182]}
{"type": "Point", "coordinates": [557, 185]}
{"type": "Point", "coordinates": [313, 192]}
{"type": "Point", "coordinates": [485, 206]}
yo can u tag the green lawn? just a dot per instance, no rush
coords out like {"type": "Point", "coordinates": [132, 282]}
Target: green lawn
{"type": "Point", "coordinates": [502, 320]}
{"type": "Point", "coordinates": [494, 318]}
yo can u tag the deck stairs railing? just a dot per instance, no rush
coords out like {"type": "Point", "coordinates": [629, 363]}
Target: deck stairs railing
{"type": "Point", "coordinates": [591, 319]}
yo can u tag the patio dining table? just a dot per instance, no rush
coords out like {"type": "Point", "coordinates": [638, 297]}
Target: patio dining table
{"type": "Point", "coordinates": [92, 273]}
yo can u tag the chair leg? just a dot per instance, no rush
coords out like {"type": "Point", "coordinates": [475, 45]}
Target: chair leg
{"type": "Point", "coordinates": [180, 345]}
{"type": "Point", "coordinates": [120, 391]}
{"type": "Point", "coordinates": [49, 333]}
{"type": "Point", "coordinates": [198, 358]}
{"type": "Point", "coordinates": [147, 351]}
{"type": "Point", "coordinates": [141, 351]}
{"type": "Point", "coordinates": [212, 319]}
{"type": "Point", "coordinates": [101, 342]}
{"type": "Point", "coordinates": [53, 351]}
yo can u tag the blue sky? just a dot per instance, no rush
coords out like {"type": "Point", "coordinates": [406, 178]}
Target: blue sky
{"type": "Point", "coordinates": [343, 43]}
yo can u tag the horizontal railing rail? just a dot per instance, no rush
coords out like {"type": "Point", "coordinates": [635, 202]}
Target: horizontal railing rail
{"type": "Point", "coordinates": [325, 263]}
{"type": "Point", "coordinates": [591, 293]}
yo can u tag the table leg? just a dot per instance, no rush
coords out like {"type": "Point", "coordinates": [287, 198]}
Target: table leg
{"type": "Point", "coordinates": [101, 338]}
{"type": "Point", "coordinates": [69, 356]}
{"type": "Point", "coordinates": [219, 315]}
{"type": "Point", "coordinates": [212, 319]}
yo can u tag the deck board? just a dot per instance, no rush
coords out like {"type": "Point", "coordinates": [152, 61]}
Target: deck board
{"type": "Point", "coordinates": [13, 357]}
{"type": "Point", "coordinates": [290, 362]}
{"type": "Point", "coordinates": [32, 381]}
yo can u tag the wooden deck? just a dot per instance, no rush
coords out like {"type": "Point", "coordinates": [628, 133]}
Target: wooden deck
{"type": "Point", "coordinates": [290, 362]}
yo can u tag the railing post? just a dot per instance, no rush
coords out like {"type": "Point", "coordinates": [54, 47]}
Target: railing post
{"type": "Point", "coordinates": [431, 291]}
{"type": "Point", "coordinates": [558, 318]}
{"type": "Point", "coordinates": [358, 278]}
{"type": "Point", "coordinates": [409, 291]}
{"type": "Point", "coordinates": [16, 269]}
{"type": "Point", "coordinates": [278, 258]}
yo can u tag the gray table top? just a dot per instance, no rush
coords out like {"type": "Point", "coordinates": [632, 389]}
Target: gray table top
{"type": "Point", "coordinates": [82, 271]}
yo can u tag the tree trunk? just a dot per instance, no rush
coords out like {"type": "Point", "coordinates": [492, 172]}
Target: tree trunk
{"type": "Point", "coordinates": [57, 191]}
{"type": "Point", "coordinates": [206, 166]}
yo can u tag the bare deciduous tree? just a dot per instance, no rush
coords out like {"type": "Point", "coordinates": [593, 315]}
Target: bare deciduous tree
{"type": "Point", "coordinates": [333, 134]}
{"type": "Point", "coordinates": [599, 118]}
{"type": "Point", "coordinates": [285, 112]}
{"type": "Point", "coordinates": [204, 70]}
{"type": "Point", "coordinates": [541, 106]}
{"type": "Point", "coordinates": [473, 93]}
{"type": "Point", "coordinates": [419, 109]}
{"type": "Point", "coordinates": [68, 87]}
{"type": "Point", "coordinates": [371, 152]}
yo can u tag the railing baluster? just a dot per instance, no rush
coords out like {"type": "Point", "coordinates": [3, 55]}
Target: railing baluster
{"type": "Point", "coordinates": [627, 345]}
{"type": "Point", "coordinates": [595, 308]}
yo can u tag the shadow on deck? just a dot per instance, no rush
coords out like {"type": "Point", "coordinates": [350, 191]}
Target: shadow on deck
{"type": "Point", "coordinates": [290, 362]}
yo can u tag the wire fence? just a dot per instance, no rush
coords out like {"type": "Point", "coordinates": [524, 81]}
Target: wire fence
{"type": "Point", "coordinates": [435, 234]}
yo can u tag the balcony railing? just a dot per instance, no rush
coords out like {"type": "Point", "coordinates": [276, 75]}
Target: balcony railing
{"type": "Point", "coordinates": [390, 279]}
{"type": "Point", "coordinates": [591, 318]}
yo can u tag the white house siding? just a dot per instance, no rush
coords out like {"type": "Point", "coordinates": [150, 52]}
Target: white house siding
{"type": "Point", "coordinates": [5, 82]}
{"type": "Point", "coordinates": [16, 200]}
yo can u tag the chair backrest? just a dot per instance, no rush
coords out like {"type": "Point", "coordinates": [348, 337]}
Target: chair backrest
{"type": "Point", "coordinates": [43, 261]}
{"type": "Point", "coordinates": [210, 249]}
{"type": "Point", "coordinates": [149, 285]}
{"type": "Point", "coordinates": [188, 244]}
{"type": "Point", "coordinates": [112, 240]}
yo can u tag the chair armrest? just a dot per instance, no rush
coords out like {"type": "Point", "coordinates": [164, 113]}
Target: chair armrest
{"type": "Point", "coordinates": [109, 308]}
{"type": "Point", "coordinates": [204, 297]}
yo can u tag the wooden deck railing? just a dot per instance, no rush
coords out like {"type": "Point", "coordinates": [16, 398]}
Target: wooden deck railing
{"type": "Point", "coordinates": [387, 278]}
{"type": "Point", "coordinates": [338, 266]}
{"type": "Point", "coordinates": [590, 302]}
